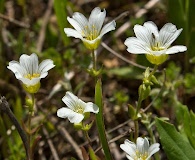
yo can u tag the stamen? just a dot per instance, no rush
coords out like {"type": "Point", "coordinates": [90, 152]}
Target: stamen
{"type": "Point", "coordinates": [31, 76]}
{"type": "Point", "coordinates": [79, 109]}
{"type": "Point", "coordinates": [90, 33]}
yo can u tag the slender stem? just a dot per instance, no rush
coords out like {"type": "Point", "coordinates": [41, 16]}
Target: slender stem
{"type": "Point", "coordinates": [4, 106]}
{"type": "Point", "coordinates": [94, 60]}
{"type": "Point", "coordinates": [31, 112]}
{"type": "Point", "coordinates": [136, 124]}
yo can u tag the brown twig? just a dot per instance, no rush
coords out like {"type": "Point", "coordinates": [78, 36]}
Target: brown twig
{"type": "Point", "coordinates": [121, 57]}
{"type": "Point", "coordinates": [51, 146]}
{"type": "Point", "coordinates": [45, 18]}
{"type": "Point", "coordinates": [14, 21]}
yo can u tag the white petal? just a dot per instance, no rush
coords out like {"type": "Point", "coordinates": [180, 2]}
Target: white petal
{"type": "Point", "coordinates": [44, 66]}
{"type": "Point", "coordinates": [64, 112]}
{"type": "Point", "coordinates": [107, 28]}
{"type": "Point", "coordinates": [168, 34]}
{"type": "Point", "coordinates": [72, 116]}
{"type": "Point", "coordinates": [143, 34]}
{"type": "Point", "coordinates": [129, 157]}
{"type": "Point", "coordinates": [153, 149]}
{"type": "Point", "coordinates": [140, 144]}
{"type": "Point", "coordinates": [72, 33]}
{"type": "Point", "coordinates": [145, 145]}
{"type": "Point", "coordinates": [81, 19]}
{"type": "Point", "coordinates": [75, 24]}
{"type": "Point", "coordinates": [17, 69]}
{"type": "Point", "coordinates": [30, 82]}
{"type": "Point", "coordinates": [30, 63]}
{"type": "Point", "coordinates": [136, 46]}
{"type": "Point", "coordinates": [176, 49]}
{"type": "Point", "coordinates": [70, 100]}
{"type": "Point", "coordinates": [129, 147]}
{"type": "Point", "coordinates": [91, 107]}
{"type": "Point", "coordinates": [151, 26]}
{"type": "Point", "coordinates": [97, 18]}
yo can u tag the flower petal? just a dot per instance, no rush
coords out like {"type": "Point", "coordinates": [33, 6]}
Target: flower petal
{"type": "Point", "coordinates": [152, 28]}
{"type": "Point", "coordinates": [44, 66]}
{"type": "Point", "coordinates": [129, 147]}
{"type": "Point", "coordinates": [153, 149]}
{"type": "Point", "coordinates": [91, 107]}
{"type": "Point", "coordinates": [30, 82]}
{"type": "Point", "coordinates": [72, 116]}
{"type": "Point", "coordinates": [72, 33]}
{"type": "Point", "coordinates": [77, 26]}
{"type": "Point", "coordinates": [81, 19]}
{"type": "Point", "coordinates": [107, 28]}
{"type": "Point", "coordinates": [97, 18]}
{"type": "Point", "coordinates": [176, 49]}
{"type": "Point", "coordinates": [70, 100]}
{"type": "Point", "coordinates": [136, 46]}
{"type": "Point", "coordinates": [143, 34]}
{"type": "Point", "coordinates": [17, 69]}
{"type": "Point", "coordinates": [168, 34]}
{"type": "Point", "coordinates": [30, 63]}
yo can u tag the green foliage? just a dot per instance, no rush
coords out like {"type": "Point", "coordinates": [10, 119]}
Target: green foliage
{"type": "Point", "coordinates": [186, 122]}
{"type": "Point", "coordinates": [174, 144]}
{"type": "Point", "coordinates": [61, 13]}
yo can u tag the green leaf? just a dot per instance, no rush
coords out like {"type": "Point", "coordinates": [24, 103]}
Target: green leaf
{"type": "Point", "coordinates": [174, 145]}
{"type": "Point", "coordinates": [100, 120]}
{"type": "Point", "coordinates": [61, 14]}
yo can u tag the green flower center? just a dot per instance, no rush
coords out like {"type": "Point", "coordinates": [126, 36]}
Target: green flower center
{"type": "Point", "coordinates": [79, 109]}
{"type": "Point", "coordinates": [157, 47]}
{"type": "Point", "coordinates": [90, 33]}
{"type": "Point", "coordinates": [31, 76]}
{"type": "Point", "coordinates": [141, 156]}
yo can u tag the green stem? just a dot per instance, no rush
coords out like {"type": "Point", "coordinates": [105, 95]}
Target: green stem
{"type": "Point", "coordinates": [157, 156]}
{"type": "Point", "coordinates": [100, 120]}
{"type": "Point", "coordinates": [94, 60]}
{"type": "Point", "coordinates": [31, 112]}
{"type": "Point", "coordinates": [136, 124]}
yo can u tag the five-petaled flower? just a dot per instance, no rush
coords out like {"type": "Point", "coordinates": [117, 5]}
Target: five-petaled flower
{"type": "Point", "coordinates": [141, 150]}
{"type": "Point", "coordinates": [76, 108]}
{"type": "Point", "coordinates": [155, 44]}
{"type": "Point", "coordinates": [30, 72]}
{"type": "Point", "coordinates": [89, 31]}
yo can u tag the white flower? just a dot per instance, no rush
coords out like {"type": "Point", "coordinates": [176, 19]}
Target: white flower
{"type": "Point", "coordinates": [76, 108]}
{"type": "Point", "coordinates": [28, 70]}
{"type": "Point", "coordinates": [152, 42]}
{"type": "Point", "coordinates": [89, 31]}
{"type": "Point", "coordinates": [141, 150]}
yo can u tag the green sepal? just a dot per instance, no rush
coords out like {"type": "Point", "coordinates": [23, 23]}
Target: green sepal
{"type": "Point", "coordinates": [78, 126]}
{"type": "Point", "coordinates": [87, 127]}
{"type": "Point", "coordinates": [144, 91]}
{"type": "Point", "coordinates": [32, 89]}
{"type": "Point", "coordinates": [94, 73]}
{"type": "Point", "coordinates": [132, 112]}
{"type": "Point", "coordinates": [154, 80]}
